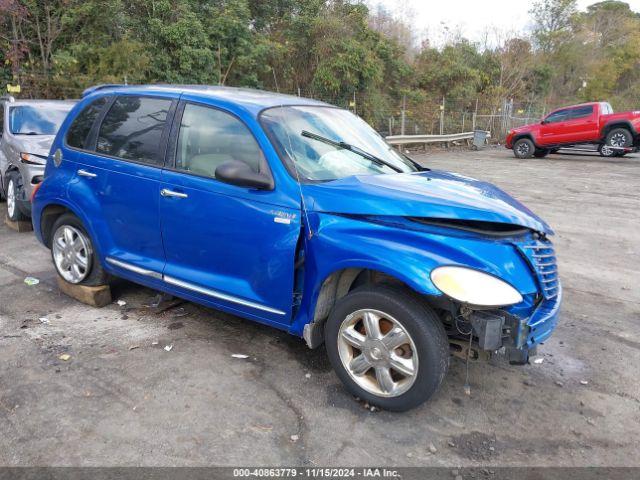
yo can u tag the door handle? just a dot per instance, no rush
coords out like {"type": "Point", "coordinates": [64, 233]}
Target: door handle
{"type": "Point", "coordinates": [84, 173]}
{"type": "Point", "coordinates": [170, 193]}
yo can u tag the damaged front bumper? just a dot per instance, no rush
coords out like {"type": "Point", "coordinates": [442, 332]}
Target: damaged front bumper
{"type": "Point", "coordinates": [518, 334]}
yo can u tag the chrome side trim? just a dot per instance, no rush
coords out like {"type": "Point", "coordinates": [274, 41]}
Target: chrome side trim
{"type": "Point", "coordinates": [134, 269]}
{"type": "Point", "coordinates": [221, 296]}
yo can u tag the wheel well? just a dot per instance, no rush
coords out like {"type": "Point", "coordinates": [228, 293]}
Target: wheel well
{"type": "Point", "coordinates": [11, 168]}
{"type": "Point", "coordinates": [523, 135]}
{"type": "Point", "coordinates": [50, 214]}
{"type": "Point", "coordinates": [610, 126]}
{"type": "Point", "coordinates": [341, 282]}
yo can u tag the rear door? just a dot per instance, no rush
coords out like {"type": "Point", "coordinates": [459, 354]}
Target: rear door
{"type": "Point", "coordinates": [228, 246]}
{"type": "Point", "coordinates": [117, 181]}
{"type": "Point", "coordinates": [582, 125]}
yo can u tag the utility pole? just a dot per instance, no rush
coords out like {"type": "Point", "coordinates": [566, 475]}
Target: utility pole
{"type": "Point", "coordinates": [442, 117]}
{"type": "Point", "coordinates": [475, 114]}
{"type": "Point", "coordinates": [402, 117]}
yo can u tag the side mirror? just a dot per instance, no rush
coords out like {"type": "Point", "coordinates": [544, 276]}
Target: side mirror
{"type": "Point", "coordinates": [240, 174]}
{"type": "Point", "coordinates": [543, 121]}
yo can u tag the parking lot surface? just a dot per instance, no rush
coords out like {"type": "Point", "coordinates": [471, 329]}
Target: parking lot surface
{"type": "Point", "coordinates": [122, 399]}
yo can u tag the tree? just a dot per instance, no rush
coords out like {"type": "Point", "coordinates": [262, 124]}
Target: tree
{"type": "Point", "coordinates": [552, 22]}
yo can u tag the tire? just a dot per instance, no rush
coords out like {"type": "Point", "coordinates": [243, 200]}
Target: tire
{"type": "Point", "coordinates": [426, 349]}
{"type": "Point", "coordinates": [92, 274]}
{"type": "Point", "coordinates": [619, 137]}
{"type": "Point", "coordinates": [541, 153]}
{"type": "Point", "coordinates": [606, 151]}
{"type": "Point", "coordinates": [13, 187]}
{"type": "Point", "coordinates": [523, 148]}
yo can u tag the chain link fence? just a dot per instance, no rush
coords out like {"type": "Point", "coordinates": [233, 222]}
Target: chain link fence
{"type": "Point", "coordinates": [411, 114]}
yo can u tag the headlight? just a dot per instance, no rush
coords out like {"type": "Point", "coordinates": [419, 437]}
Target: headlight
{"type": "Point", "coordinates": [473, 287]}
{"type": "Point", "coordinates": [32, 159]}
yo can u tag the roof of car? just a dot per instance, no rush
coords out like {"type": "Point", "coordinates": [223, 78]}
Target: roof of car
{"type": "Point", "coordinates": [251, 99]}
{"type": "Point", "coordinates": [586, 104]}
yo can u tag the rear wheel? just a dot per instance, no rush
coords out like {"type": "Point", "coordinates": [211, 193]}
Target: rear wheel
{"type": "Point", "coordinates": [73, 253]}
{"type": "Point", "coordinates": [619, 137]}
{"type": "Point", "coordinates": [387, 347]}
{"type": "Point", "coordinates": [14, 197]}
{"type": "Point", "coordinates": [523, 148]}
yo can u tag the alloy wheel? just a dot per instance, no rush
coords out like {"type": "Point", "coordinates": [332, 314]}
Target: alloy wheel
{"type": "Point", "coordinates": [618, 140]}
{"type": "Point", "coordinates": [71, 253]}
{"type": "Point", "coordinates": [11, 198]}
{"type": "Point", "coordinates": [378, 353]}
{"type": "Point", "coordinates": [607, 151]}
{"type": "Point", "coordinates": [523, 149]}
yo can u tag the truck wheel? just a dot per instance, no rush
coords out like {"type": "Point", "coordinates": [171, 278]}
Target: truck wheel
{"type": "Point", "coordinates": [523, 148]}
{"type": "Point", "coordinates": [619, 137]}
{"type": "Point", "coordinates": [606, 151]}
{"type": "Point", "coordinates": [73, 253]}
{"type": "Point", "coordinates": [14, 187]}
{"type": "Point", "coordinates": [540, 153]}
{"type": "Point", "coordinates": [388, 348]}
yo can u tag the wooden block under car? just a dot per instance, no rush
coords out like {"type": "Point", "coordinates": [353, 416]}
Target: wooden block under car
{"type": "Point", "coordinates": [95, 296]}
{"type": "Point", "coordinates": [19, 226]}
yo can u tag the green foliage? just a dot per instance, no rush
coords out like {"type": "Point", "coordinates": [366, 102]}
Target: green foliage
{"type": "Point", "coordinates": [336, 50]}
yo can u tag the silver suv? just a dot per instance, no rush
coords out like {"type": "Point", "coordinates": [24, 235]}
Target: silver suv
{"type": "Point", "coordinates": [27, 129]}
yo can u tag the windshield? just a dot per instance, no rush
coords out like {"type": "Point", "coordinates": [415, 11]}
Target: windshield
{"type": "Point", "coordinates": [42, 119]}
{"type": "Point", "coordinates": [319, 160]}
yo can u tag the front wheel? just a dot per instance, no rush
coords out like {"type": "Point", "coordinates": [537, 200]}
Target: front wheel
{"type": "Point", "coordinates": [73, 253]}
{"type": "Point", "coordinates": [14, 187]}
{"type": "Point", "coordinates": [523, 148]}
{"type": "Point", "coordinates": [388, 347]}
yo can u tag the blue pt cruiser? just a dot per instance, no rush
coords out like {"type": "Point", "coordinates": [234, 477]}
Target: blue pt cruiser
{"type": "Point", "coordinates": [298, 215]}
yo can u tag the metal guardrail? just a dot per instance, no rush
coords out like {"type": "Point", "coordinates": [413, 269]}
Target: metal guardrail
{"type": "Point", "coordinates": [409, 139]}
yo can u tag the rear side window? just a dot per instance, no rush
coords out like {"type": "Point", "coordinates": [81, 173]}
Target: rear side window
{"type": "Point", "coordinates": [581, 112]}
{"type": "Point", "coordinates": [209, 137]}
{"type": "Point", "coordinates": [78, 133]}
{"type": "Point", "coordinates": [132, 129]}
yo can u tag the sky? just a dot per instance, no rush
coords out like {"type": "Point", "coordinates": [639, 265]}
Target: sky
{"type": "Point", "coordinates": [473, 18]}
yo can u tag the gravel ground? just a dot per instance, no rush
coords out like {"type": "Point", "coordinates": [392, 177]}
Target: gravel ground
{"type": "Point", "coordinates": [122, 399]}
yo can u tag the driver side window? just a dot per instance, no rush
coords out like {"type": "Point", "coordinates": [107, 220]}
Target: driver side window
{"type": "Point", "coordinates": [559, 116]}
{"type": "Point", "coordinates": [210, 137]}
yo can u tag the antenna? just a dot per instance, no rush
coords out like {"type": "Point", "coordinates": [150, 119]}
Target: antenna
{"type": "Point", "coordinates": [295, 167]}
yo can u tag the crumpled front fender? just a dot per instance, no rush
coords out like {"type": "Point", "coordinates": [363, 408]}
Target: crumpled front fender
{"type": "Point", "coordinates": [339, 242]}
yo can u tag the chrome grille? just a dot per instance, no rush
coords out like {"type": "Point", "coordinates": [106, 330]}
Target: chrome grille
{"type": "Point", "coordinates": [543, 259]}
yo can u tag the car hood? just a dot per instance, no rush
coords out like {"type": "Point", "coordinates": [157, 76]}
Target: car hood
{"type": "Point", "coordinates": [432, 194]}
{"type": "Point", "coordinates": [36, 144]}
{"type": "Point", "coordinates": [525, 128]}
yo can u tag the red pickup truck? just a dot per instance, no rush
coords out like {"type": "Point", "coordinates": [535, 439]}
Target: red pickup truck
{"type": "Point", "coordinates": [589, 123]}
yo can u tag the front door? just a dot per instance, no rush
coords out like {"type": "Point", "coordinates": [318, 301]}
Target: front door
{"type": "Point", "coordinates": [228, 246]}
{"type": "Point", "coordinates": [555, 128]}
